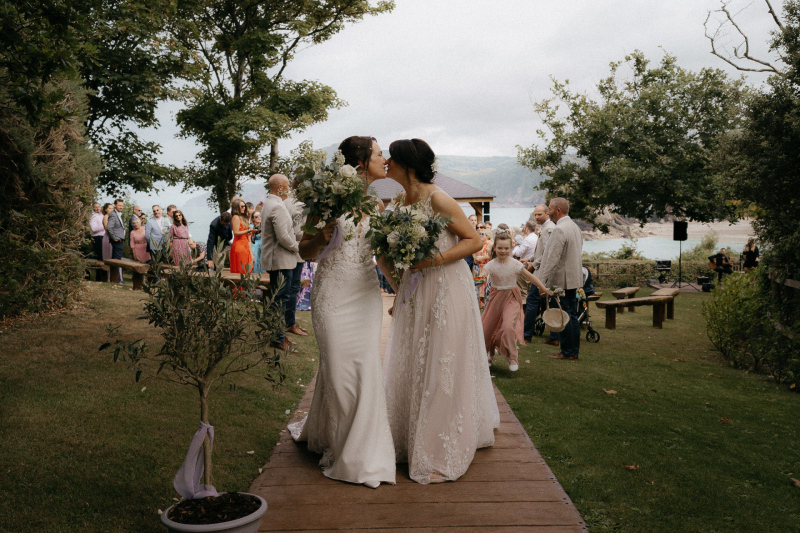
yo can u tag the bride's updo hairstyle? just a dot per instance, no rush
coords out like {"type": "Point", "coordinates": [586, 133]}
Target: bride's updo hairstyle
{"type": "Point", "coordinates": [414, 154]}
{"type": "Point", "coordinates": [357, 151]}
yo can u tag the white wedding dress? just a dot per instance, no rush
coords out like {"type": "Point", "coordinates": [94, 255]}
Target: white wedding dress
{"type": "Point", "coordinates": [347, 422]}
{"type": "Point", "coordinates": [438, 388]}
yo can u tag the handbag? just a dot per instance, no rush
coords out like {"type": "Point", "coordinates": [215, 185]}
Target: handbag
{"type": "Point", "coordinates": [555, 319]}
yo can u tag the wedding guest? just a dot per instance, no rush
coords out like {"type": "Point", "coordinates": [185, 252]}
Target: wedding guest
{"type": "Point", "coordinates": [750, 253]}
{"type": "Point", "coordinates": [295, 209]}
{"type": "Point", "coordinates": [249, 210]}
{"type": "Point", "coordinates": [171, 208]}
{"type": "Point", "coordinates": [156, 231]}
{"type": "Point", "coordinates": [219, 232]}
{"type": "Point", "coordinates": [502, 321]}
{"type": "Point", "coordinates": [489, 230]}
{"type": "Point", "coordinates": [241, 251]}
{"type": "Point", "coordinates": [116, 232]}
{"type": "Point", "coordinates": [179, 232]}
{"type": "Point", "coordinates": [139, 241]}
{"type": "Point", "coordinates": [97, 230]}
{"type": "Point", "coordinates": [534, 303]}
{"type": "Point", "coordinates": [255, 239]}
{"type": "Point", "coordinates": [279, 249]}
{"type": "Point", "coordinates": [473, 220]}
{"type": "Point", "coordinates": [481, 258]}
{"type": "Point", "coordinates": [200, 261]}
{"type": "Point", "coordinates": [107, 250]}
{"type": "Point", "coordinates": [137, 213]}
{"type": "Point", "coordinates": [524, 252]}
{"type": "Point", "coordinates": [561, 267]}
{"type": "Point", "coordinates": [306, 282]}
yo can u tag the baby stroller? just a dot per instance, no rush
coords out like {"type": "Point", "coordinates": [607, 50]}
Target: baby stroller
{"type": "Point", "coordinates": [584, 293]}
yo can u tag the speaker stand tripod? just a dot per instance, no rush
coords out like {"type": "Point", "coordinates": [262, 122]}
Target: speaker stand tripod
{"type": "Point", "coordinates": [680, 272]}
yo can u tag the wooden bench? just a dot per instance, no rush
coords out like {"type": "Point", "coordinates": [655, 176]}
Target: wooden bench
{"type": "Point", "coordinates": [138, 269]}
{"type": "Point", "coordinates": [659, 304]}
{"type": "Point", "coordinates": [671, 303]}
{"type": "Point", "coordinates": [627, 292]}
{"type": "Point", "coordinates": [98, 267]}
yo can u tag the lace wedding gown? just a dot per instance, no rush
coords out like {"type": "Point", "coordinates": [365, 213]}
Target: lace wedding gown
{"type": "Point", "coordinates": [438, 388]}
{"type": "Point", "coordinates": [347, 422]}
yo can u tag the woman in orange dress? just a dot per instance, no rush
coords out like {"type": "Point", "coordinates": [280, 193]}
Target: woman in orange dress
{"type": "Point", "coordinates": [480, 260]}
{"type": "Point", "coordinates": [241, 249]}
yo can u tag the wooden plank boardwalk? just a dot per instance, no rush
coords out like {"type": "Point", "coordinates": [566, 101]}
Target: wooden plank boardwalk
{"type": "Point", "coordinates": [508, 488]}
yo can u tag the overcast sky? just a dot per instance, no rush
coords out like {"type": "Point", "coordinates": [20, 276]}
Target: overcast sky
{"type": "Point", "coordinates": [462, 74]}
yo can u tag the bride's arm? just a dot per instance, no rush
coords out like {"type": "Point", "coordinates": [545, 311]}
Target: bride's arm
{"type": "Point", "coordinates": [386, 270]}
{"type": "Point", "coordinates": [312, 245]}
{"type": "Point", "coordinates": [469, 240]}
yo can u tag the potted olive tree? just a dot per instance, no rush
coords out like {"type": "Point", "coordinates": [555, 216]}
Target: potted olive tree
{"type": "Point", "coordinates": [211, 329]}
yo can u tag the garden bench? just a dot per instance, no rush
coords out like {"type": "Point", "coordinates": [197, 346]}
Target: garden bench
{"type": "Point", "coordinates": [659, 304]}
{"type": "Point", "coordinates": [98, 267]}
{"type": "Point", "coordinates": [627, 292]}
{"type": "Point", "coordinates": [138, 269]}
{"type": "Point", "coordinates": [671, 303]}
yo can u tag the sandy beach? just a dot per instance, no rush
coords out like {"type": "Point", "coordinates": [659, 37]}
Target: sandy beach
{"type": "Point", "coordinates": [726, 232]}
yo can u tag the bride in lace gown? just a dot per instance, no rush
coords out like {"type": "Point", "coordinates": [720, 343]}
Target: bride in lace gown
{"type": "Point", "coordinates": [438, 388]}
{"type": "Point", "coordinates": [347, 422]}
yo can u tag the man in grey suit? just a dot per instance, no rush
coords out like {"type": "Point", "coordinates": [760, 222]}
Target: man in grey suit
{"type": "Point", "coordinates": [279, 249]}
{"type": "Point", "coordinates": [116, 230]}
{"type": "Point", "coordinates": [534, 302]}
{"type": "Point", "coordinates": [561, 266]}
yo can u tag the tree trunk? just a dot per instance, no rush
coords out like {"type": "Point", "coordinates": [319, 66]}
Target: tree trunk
{"type": "Point", "coordinates": [207, 464]}
{"type": "Point", "coordinates": [273, 155]}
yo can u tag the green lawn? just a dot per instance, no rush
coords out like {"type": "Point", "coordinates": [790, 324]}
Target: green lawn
{"type": "Point", "coordinates": [716, 447]}
{"type": "Point", "coordinates": [84, 448]}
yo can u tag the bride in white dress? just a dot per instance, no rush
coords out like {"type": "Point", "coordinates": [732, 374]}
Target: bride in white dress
{"type": "Point", "coordinates": [347, 422]}
{"type": "Point", "coordinates": [438, 388]}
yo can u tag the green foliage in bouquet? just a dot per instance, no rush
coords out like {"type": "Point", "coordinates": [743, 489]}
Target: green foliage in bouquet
{"type": "Point", "coordinates": [405, 235]}
{"type": "Point", "coordinates": [332, 191]}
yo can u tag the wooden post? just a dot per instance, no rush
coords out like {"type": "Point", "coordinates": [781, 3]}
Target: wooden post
{"type": "Point", "coordinates": [671, 309]}
{"type": "Point", "coordinates": [114, 274]}
{"type": "Point", "coordinates": [137, 281]}
{"type": "Point", "coordinates": [611, 318]}
{"type": "Point", "coordinates": [658, 315]}
{"type": "Point", "coordinates": [632, 308]}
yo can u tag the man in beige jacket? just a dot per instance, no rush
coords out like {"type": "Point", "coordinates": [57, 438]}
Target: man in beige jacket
{"type": "Point", "coordinates": [561, 267]}
{"type": "Point", "coordinates": [279, 250]}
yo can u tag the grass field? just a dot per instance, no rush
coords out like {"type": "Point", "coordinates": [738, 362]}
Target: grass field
{"type": "Point", "coordinates": [83, 448]}
{"type": "Point", "coordinates": [715, 448]}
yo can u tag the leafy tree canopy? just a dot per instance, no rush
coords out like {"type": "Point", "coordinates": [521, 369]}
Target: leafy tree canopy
{"type": "Point", "coordinates": [645, 148]}
{"type": "Point", "coordinates": [242, 102]}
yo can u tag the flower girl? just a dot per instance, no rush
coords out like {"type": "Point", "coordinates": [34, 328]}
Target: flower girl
{"type": "Point", "coordinates": [502, 321]}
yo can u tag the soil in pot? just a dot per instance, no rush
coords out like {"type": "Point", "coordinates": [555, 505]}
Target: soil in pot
{"type": "Point", "coordinates": [214, 510]}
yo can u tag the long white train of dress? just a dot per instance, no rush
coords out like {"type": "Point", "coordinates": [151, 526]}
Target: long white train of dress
{"type": "Point", "coordinates": [347, 422]}
{"type": "Point", "coordinates": [438, 388]}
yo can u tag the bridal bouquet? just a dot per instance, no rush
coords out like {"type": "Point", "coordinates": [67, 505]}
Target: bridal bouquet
{"type": "Point", "coordinates": [330, 191]}
{"type": "Point", "coordinates": [405, 235]}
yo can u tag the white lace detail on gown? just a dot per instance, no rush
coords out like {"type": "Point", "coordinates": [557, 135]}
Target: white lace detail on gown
{"type": "Point", "coordinates": [347, 422]}
{"type": "Point", "coordinates": [438, 388]}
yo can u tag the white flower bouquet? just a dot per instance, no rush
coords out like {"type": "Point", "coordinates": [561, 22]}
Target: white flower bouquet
{"type": "Point", "coordinates": [330, 191]}
{"type": "Point", "coordinates": [405, 235]}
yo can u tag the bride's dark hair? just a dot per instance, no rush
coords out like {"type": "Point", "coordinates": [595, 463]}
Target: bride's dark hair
{"type": "Point", "coordinates": [357, 150]}
{"type": "Point", "coordinates": [414, 154]}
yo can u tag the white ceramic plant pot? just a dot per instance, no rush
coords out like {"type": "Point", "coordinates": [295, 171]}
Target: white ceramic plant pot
{"type": "Point", "coordinates": [246, 524]}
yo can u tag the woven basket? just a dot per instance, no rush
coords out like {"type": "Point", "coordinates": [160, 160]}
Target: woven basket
{"type": "Point", "coordinates": [555, 319]}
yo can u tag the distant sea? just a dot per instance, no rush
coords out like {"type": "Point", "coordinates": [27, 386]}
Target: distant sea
{"type": "Point", "coordinates": [200, 216]}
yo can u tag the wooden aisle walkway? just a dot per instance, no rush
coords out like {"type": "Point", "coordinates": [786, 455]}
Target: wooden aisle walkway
{"type": "Point", "coordinates": [508, 488]}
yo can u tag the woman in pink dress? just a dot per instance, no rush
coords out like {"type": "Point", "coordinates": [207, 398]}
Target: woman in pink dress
{"type": "Point", "coordinates": [139, 242]}
{"type": "Point", "coordinates": [179, 231]}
